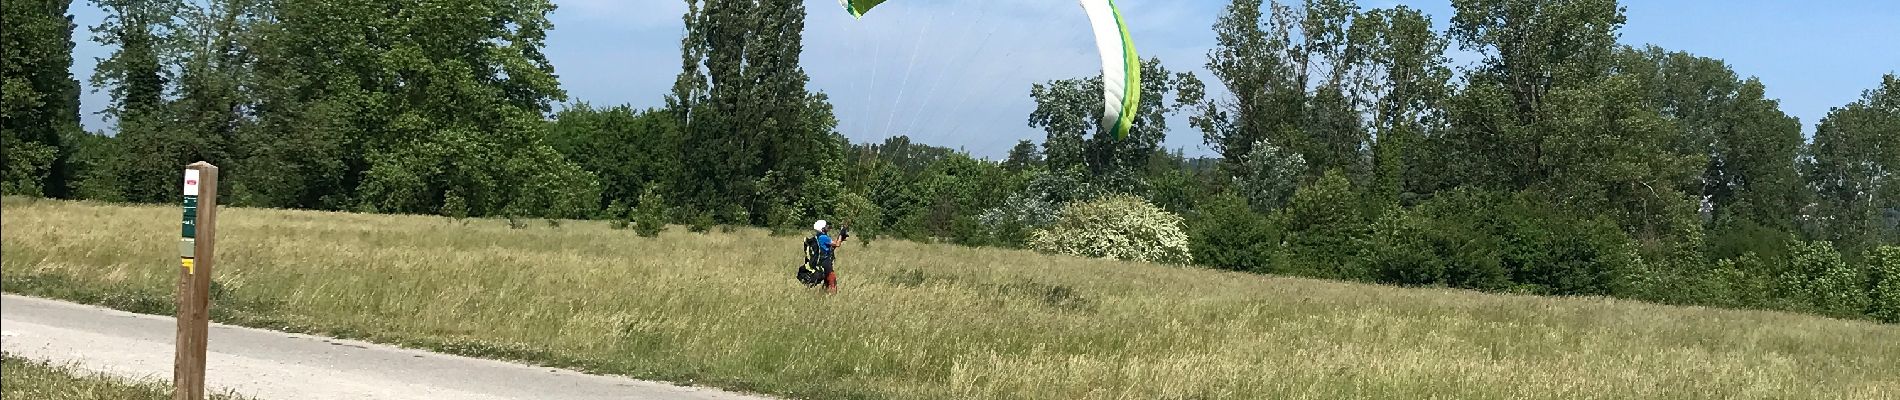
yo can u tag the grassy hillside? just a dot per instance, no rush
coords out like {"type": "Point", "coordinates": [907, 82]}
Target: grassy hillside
{"type": "Point", "coordinates": [917, 321]}
{"type": "Point", "coordinates": [29, 379]}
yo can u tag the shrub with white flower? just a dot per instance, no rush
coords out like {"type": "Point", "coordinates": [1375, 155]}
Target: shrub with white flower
{"type": "Point", "coordinates": [1118, 227]}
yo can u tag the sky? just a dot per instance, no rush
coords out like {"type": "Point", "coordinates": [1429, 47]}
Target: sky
{"type": "Point", "coordinates": [957, 73]}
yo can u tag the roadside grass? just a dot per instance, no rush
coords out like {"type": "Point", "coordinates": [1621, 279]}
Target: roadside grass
{"type": "Point", "coordinates": [22, 378]}
{"type": "Point", "coordinates": [923, 321]}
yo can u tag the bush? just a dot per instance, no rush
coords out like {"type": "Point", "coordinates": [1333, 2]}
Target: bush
{"type": "Point", "coordinates": [859, 213]}
{"type": "Point", "coordinates": [1119, 227]}
{"type": "Point", "coordinates": [1738, 282]}
{"type": "Point", "coordinates": [618, 216]}
{"type": "Point", "coordinates": [1551, 251]}
{"type": "Point", "coordinates": [699, 222]}
{"type": "Point", "coordinates": [27, 166]}
{"type": "Point", "coordinates": [1883, 270]}
{"type": "Point", "coordinates": [1326, 229]}
{"type": "Point", "coordinates": [1826, 283]}
{"type": "Point", "coordinates": [453, 206]}
{"type": "Point", "coordinates": [650, 218]}
{"type": "Point", "coordinates": [1495, 241]}
{"type": "Point", "coordinates": [1227, 234]}
{"type": "Point", "coordinates": [1410, 248]}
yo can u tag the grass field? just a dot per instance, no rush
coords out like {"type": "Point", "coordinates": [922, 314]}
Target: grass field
{"type": "Point", "coordinates": [29, 379]}
{"type": "Point", "coordinates": [917, 321]}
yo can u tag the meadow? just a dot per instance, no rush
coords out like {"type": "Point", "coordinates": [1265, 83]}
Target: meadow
{"type": "Point", "coordinates": [923, 321]}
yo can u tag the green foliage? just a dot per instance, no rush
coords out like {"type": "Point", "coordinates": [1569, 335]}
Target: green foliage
{"type": "Point", "coordinates": [1849, 164]}
{"type": "Point", "coordinates": [1304, 77]}
{"type": "Point", "coordinates": [1829, 286]}
{"type": "Point", "coordinates": [1226, 233]}
{"type": "Point", "coordinates": [742, 103]}
{"type": "Point", "coordinates": [618, 216]}
{"type": "Point", "coordinates": [1443, 248]}
{"type": "Point", "coordinates": [39, 100]}
{"type": "Point", "coordinates": [1883, 270]}
{"type": "Point", "coordinates": [1748, 140]}
{"type": "Point", "coordinates": [1553, 251]}
{"type": "Point", "coordinates": [1023, 156]}
{"type": "Point", "coordinates": [649, 216]}
{"type": "Point", "coordinates": [1326, 229]}
{"type": "Point", "coordinates": [453, 206]}
{"type": "Point", "coordinates": [551, 185]}
{"type": "Point", "coordinates": [1116, 227]}
{"type": "Point", "coordinates": [700, 222]}
{"type": "Point", "coordinates": [1035, 206]}
{"type": "Point", "coordinates": [1486, 240]}
{"type": "Point", "coordinates": [861, 215]}
{"type": "Point", "coordinates": [626, 149]}
{"type": "Point", "coordinates": [1269, 176]}
{"type": "Point", "coordinates": [1742, 281]}
{"type": "Point", "coordinates": [1069, 112]}
{"type": "Point", "coordinates": [28, 164]}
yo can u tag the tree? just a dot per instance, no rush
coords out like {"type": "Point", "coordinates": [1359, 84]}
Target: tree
{"type": "Point", "coordinates": [137, 75]}
{"type": "Point", "coordinates": [1407, 84]}
{"type": "Point", "coordinates": [1339, 86]}
{"type": "Point", "coordinates": [361, 105]}
{"type": "Point", "coordinates": [1850, 166]}
{"type": "Point", "coordinates": [216, 41]}
{"type": "Point", "coordinates": [1269, 176]}
{"type": "Point", "coordinates": [1022, 157]}
{"type": "Point", "coordinates": [1070, 111]}
{"type": "Point", "coordinates": [627, 149]}
{"type": "Point", "coordinates": [1749, 144]}
{"type": "Point", "coordinates": [39, 100]}
{"type": "Point", "coordinates": [1547, 112]}
{"type": "Point", "coordinates": [744, 110]}
{"type": "Point", "coordinates": [1531, 48]}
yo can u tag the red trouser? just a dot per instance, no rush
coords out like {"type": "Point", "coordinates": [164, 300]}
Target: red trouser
{"type": "Point", "coordinates": [831, 281]}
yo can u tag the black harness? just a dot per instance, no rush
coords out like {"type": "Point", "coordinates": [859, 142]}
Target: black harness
{"type": "Point", "coordinates": [817, 263]}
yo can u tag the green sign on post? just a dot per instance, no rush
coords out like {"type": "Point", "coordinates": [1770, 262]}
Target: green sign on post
{"type": "Point", "coordinates": [191, 217]}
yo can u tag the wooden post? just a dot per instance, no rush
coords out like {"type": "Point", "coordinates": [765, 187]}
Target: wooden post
{"type": "Point", "coordinates": [196, 257]}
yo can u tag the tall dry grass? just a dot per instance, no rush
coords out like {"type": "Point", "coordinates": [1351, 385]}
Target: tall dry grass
{"type": "Point", "coordinates": [22, 378]}
{"type": "Point", "coordinates": [917, 321]}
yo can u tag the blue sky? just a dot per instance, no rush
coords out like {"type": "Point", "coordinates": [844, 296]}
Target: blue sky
{"type": "Point", "coordinates": [957, 72]}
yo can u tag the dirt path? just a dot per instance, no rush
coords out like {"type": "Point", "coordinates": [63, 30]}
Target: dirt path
{"type": "Point", "coordinates": [275, 365]}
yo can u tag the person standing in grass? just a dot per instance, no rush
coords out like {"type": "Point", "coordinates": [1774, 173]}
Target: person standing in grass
{"type": "Point", "coordinates": [827, 253]}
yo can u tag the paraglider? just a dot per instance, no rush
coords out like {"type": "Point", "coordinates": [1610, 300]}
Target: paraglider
{"type": "Point", "coordinates": [1121, 68]}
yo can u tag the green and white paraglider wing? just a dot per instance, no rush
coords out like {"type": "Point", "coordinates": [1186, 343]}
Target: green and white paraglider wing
{"type": "Point", "coordinates": [858, 7]}
{"type": "Point", "coordinates": [1121, 68]}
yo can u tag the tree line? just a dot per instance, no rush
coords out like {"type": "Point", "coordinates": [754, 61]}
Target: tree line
{"type": "Point", "coordinates": [1346, 144]}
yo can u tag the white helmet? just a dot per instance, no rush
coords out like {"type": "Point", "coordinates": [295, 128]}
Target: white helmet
{"type": "Point", "coordinates": [818, 226]}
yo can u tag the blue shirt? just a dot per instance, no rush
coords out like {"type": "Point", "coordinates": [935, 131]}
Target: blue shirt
{"type": "Point", "coordinates": [824, 243]}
